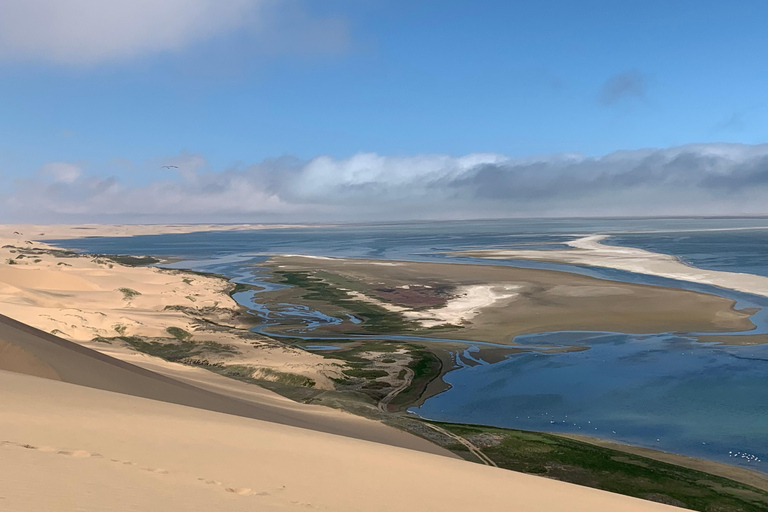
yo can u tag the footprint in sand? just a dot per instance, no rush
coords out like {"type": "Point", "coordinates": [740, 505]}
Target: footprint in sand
{"type": "Point", "coordinates": [303, 504]}
{"type": "Point", "coordinates": [82, 454]}
{"type": "Point", "coordinates": [160, 471]}
{"type": "Point", "coordinates": [239, 491]}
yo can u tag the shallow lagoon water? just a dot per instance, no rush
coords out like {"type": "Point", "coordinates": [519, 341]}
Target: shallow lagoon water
{"type": "Point", "coordinates": [661, 391]}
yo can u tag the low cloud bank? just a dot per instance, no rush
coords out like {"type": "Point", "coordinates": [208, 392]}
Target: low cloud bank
{"type": "Point", "coordinates": [705, 179]}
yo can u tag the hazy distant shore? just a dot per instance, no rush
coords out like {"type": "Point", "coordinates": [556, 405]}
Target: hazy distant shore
{"type": "Point", "coordinates": [67, 231]}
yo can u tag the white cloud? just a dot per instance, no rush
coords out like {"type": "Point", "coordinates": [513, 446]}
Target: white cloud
{"type": "Point", "coordinates": [61, 172]}
{"type": "Point", "coordinates": [86, 32]}
{"type": "Point", "coordinates": [687, 180]}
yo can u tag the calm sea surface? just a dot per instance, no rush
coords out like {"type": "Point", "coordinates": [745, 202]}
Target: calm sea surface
{"type": "Point", "coordinates": [661, 391]}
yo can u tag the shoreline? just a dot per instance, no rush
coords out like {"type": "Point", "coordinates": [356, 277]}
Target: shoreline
{"type": "Point", "coordinates": [224, 278]}
{"type": "Point", "coordinates": [42, 232]}
{"type": "Point", "coordinates": [588, 251]}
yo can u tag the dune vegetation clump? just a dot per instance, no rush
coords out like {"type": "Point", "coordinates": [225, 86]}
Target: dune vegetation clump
{"type": "Point", "coordinates": [128, 293]}
{"type": "Point", "coordinates": [179, 333]}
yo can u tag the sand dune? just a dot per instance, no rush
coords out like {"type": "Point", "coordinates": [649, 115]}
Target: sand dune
{"type": "Point", "coordinates": [116, 452]}
{"type": "Point", "coordinates": [84, 431]}
{"type": "Point", "coordinates": [84, 297]}
{"type": "Point", "coordinates": [28, 350]}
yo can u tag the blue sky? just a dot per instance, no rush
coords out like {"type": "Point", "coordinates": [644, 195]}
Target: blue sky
{"type": "Point", "coordinates": [253, 80]}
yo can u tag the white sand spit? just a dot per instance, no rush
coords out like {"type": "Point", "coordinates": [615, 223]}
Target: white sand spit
{"type": "Point", "coordinates": [589, 251]}
{"type": "Point", "coordinates": [468, 303]}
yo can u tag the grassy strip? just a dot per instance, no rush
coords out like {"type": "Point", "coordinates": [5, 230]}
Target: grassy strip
{"type": "Point", "coordinates": [376, 319]}
{"type": "Point", "coordinates": [194, 354]}
{"type": "Point", "coordinates": [130, 261]}
{"type": "Point", "coordinates": [180, 351]}
{"type": "Point", "coordinates": [365, 374]}
{"type": "Point", "coordinates": [254, 375]}
{"type": "Point", "coordinates": [611, 470]}
{"type": "Point", "coordinates": [426, 367]}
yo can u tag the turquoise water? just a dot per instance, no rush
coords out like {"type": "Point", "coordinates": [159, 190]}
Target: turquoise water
{"type": "Point", "coordinates": [662, 391]}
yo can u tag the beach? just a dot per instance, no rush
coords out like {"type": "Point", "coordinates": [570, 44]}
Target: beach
{"type": "Point", "coordinates": [590, 251]}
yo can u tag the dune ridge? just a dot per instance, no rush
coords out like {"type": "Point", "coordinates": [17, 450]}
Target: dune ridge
{"type": "Point", "coordinates": [118, 452]}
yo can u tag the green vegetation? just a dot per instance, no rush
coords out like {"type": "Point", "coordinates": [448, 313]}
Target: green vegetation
{"type": "Point", "coordinates": [241, 287]}
{"type": "Point", "coordinates": [184, 351]}
{"type": "Point", "coordinates": [120, 329]}
{"type": "Point", "coordinates": [11, 262]}
{"type": "Point", "coordinates": [255, 375]}
{"type": "Point", "coordinates": [195, 354]}
{"type": "Point", "coordinates": [376, 319]}
{"type": "Point", "coordinates": [179, 333]}
{"type": "Point", "coordinates": [128, 293]}
{"type": "Point", "coordinates": [426, 367]}
{"type": "Point", "coordinates": [365, 374]}
{"type": "Point", "coordinates": [131, 261]}
{"type": "Point", "coordinates": [611, 470]}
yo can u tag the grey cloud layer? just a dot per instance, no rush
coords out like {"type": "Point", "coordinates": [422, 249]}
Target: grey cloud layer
{"type": "Point", "coordinates": [696, 179]}
{"type": "Point", "coordinates": [88, 32]}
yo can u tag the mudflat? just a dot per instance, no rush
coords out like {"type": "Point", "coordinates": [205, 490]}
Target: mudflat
{"type": "Point", "coordinates": [496, 303]}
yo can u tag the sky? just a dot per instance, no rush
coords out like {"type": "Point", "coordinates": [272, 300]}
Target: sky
{"type": "Point", "coordinates": [365, 110]}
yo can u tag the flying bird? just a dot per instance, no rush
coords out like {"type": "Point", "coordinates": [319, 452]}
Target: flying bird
{"type": "Point", "coordinates": [170, 167]}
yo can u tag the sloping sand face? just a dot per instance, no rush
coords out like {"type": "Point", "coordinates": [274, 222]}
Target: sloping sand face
{"type": "Point", "coordinates": [28, 350]}
{"type": "Point", "coordinates": [115, 452]}
{"type": "Point", "coordinates": [14, 358]}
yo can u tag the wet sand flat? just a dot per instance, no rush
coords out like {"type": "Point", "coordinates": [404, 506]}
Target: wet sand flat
{"type": "Point", "coordinates": [533, 300]}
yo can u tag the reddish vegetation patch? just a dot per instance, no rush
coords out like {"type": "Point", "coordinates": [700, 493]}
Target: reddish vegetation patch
{"type": "Point", "coordinates": [415, 296]}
